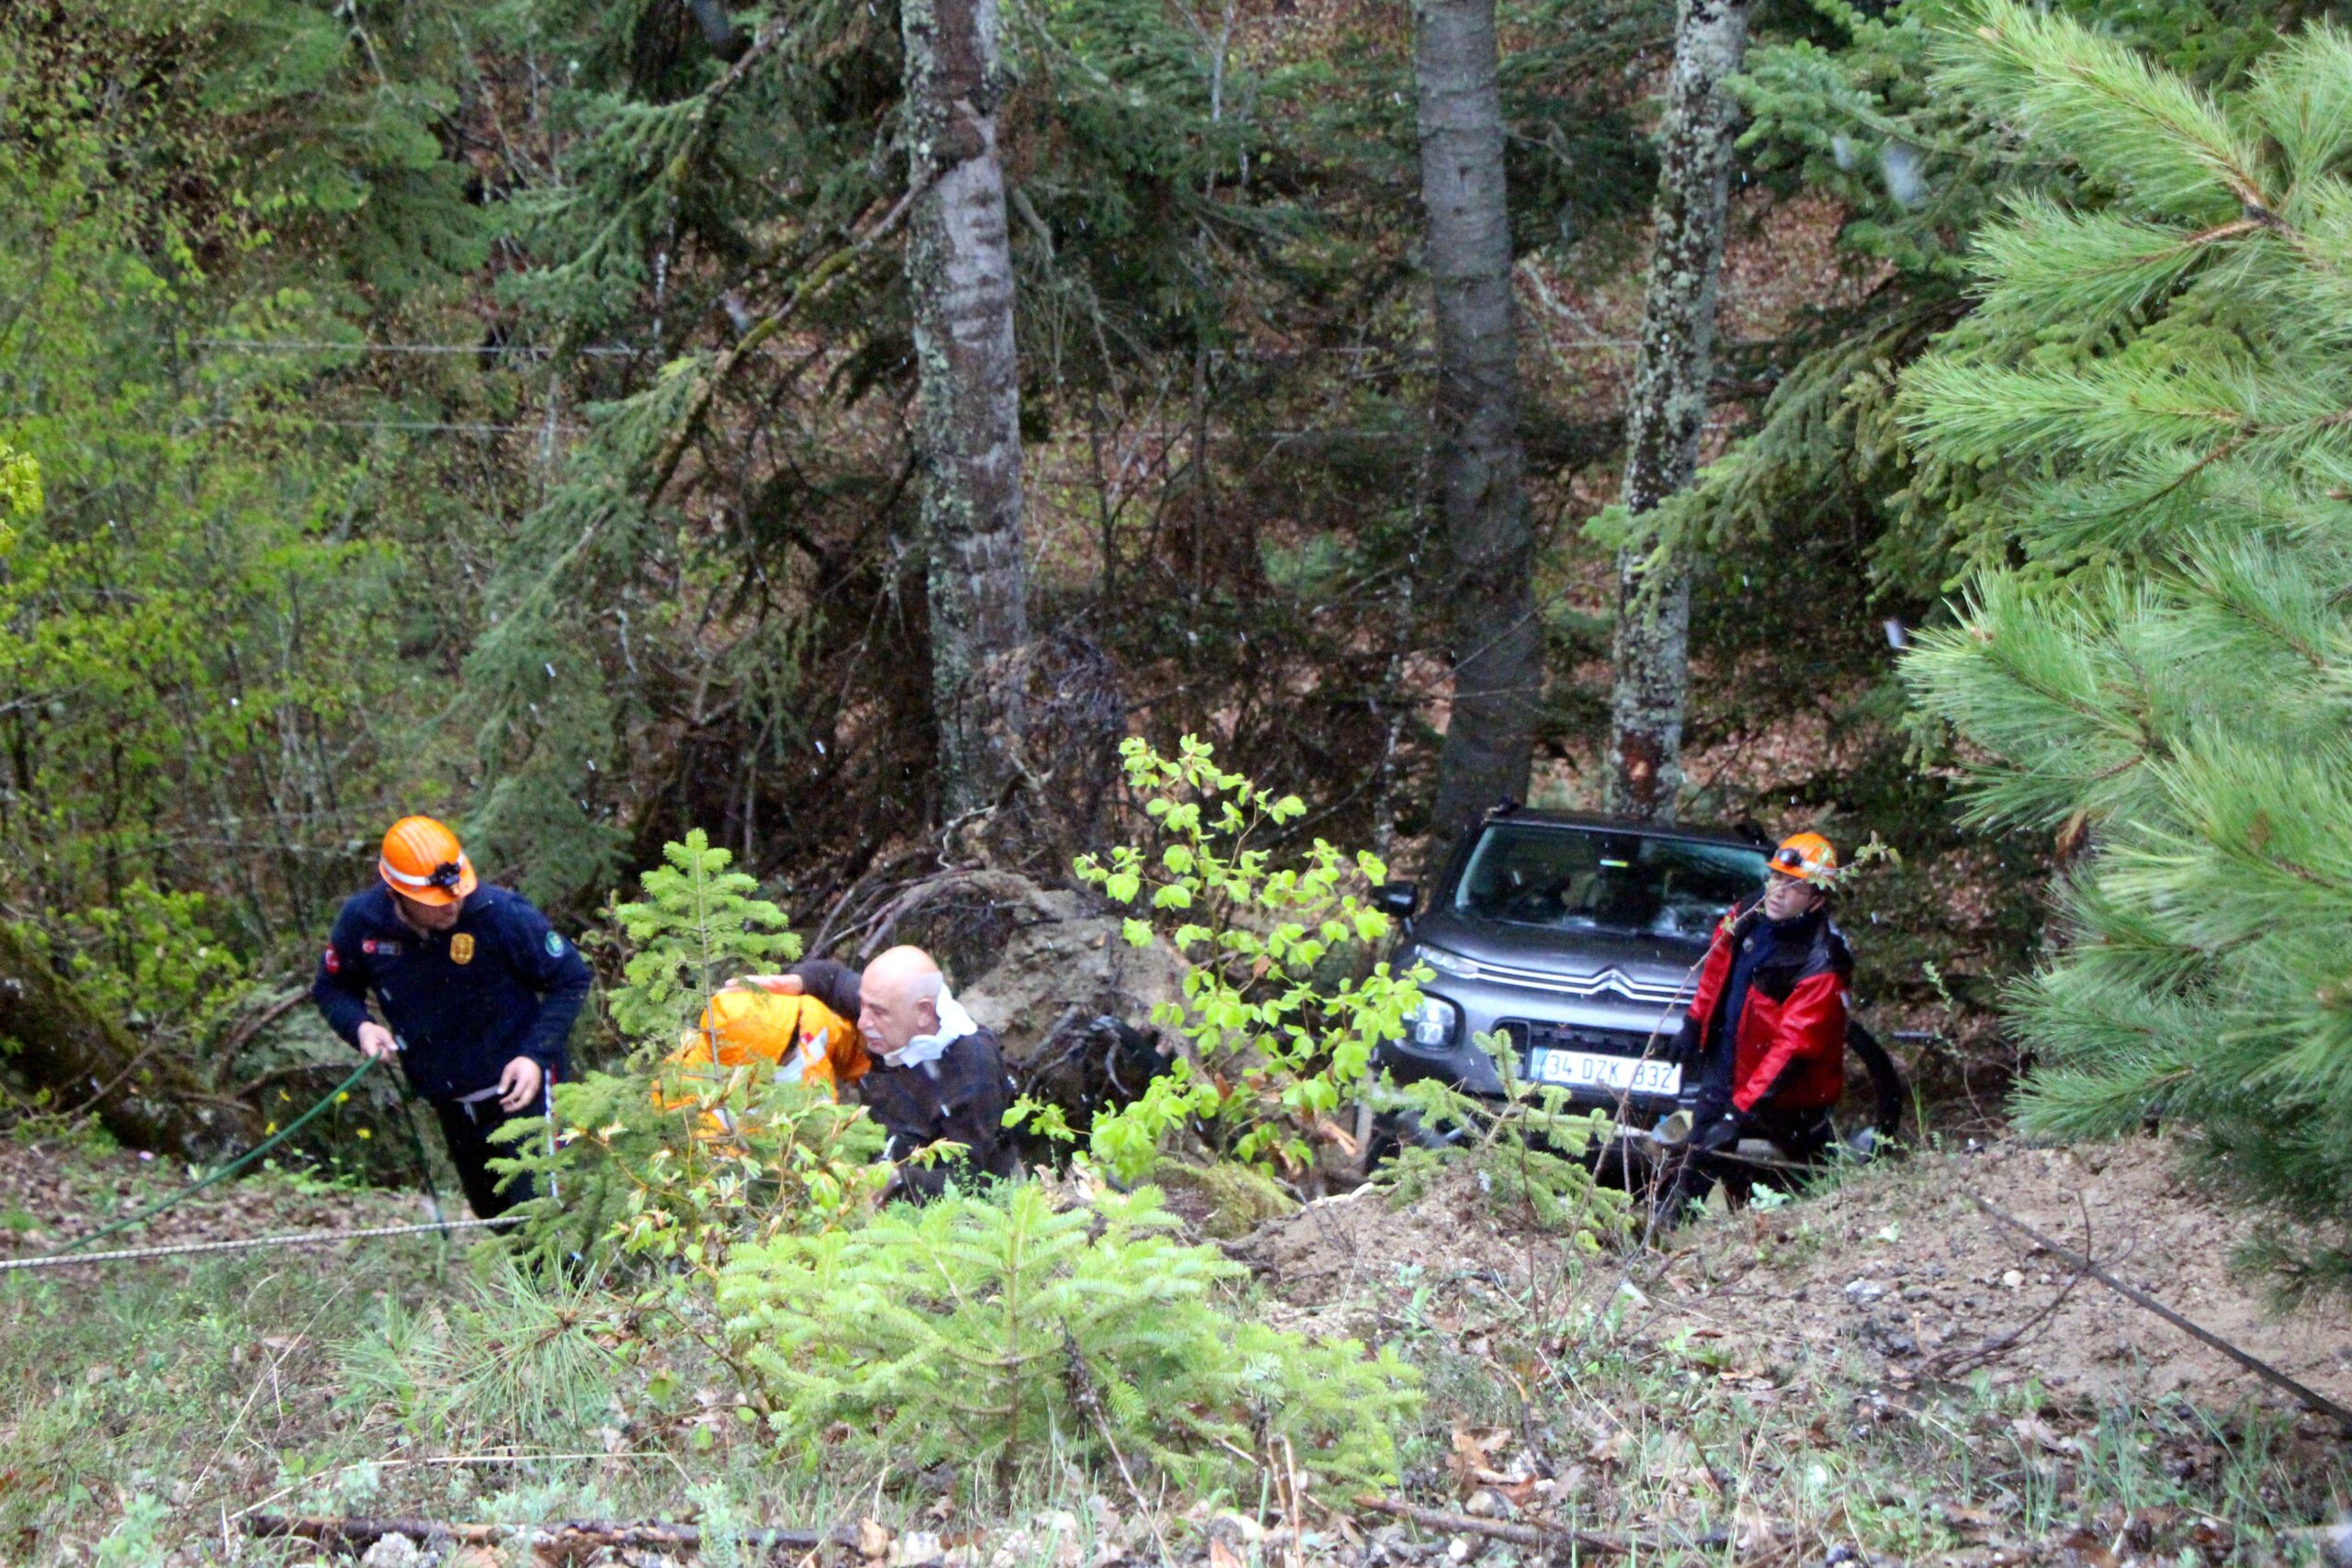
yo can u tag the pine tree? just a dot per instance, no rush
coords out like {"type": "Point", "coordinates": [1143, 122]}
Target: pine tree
{"type": "Point", "coordinates": [2156, 392]}
{"type": "Point", "coordinates": [1854, 114]}
{"type": "Point", "coordinates": [700, 922]}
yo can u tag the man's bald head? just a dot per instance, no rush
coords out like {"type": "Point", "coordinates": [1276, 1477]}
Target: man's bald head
{"type": "Point", "coordinates": [898, 998]}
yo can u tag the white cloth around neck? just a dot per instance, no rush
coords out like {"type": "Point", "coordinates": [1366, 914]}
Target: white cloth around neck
{"type": "Point", "coordinates": [953, 1024]}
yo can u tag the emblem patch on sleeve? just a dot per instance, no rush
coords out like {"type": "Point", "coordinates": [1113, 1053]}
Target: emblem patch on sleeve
{"type": "Point", "coordinates": [462, 948]}
{"type": "Point", "coordinates": [555, 945]}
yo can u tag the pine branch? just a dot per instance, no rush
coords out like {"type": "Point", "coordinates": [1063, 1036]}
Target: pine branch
{"type": "Point", "coordinates": [2108, 108]}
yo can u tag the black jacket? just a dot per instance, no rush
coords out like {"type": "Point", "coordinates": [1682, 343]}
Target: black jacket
{"type": "Point", "coordinates": [464, 1002]}
{"type": "Point", "coordinates": [961, 1097]}
{"type": "Point", "coordinates": [835, 985]}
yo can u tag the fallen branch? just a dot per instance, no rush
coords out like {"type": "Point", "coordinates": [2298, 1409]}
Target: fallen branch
{"type": "Point", "coordinates": [672, 452]}
{"type": "Point", "coordinates": [1541, 1537]}
{"type": "Point", "coordinates": [1956, 1363]}
{"type": "Point", "coordinates": [2311, 1398]}
{"type": "Point", "coordinates": [359, 1534]}
{"type": "Point", "coordinates": [242, 1035]}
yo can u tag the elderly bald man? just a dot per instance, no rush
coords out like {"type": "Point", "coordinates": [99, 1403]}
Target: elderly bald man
{"type": "Point", "coordinates": [936, 1074]}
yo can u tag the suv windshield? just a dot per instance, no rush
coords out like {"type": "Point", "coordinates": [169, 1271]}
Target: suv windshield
{"type": "Point", "coordinates": [1584, 880]}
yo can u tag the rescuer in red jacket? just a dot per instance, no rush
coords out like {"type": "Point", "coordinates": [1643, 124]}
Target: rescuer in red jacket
{"type": "Point", "coordinates": [1766, 1033]}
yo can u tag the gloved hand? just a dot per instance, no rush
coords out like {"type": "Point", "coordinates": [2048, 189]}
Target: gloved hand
{"type": "Point", "coordinates": [1721, 1134]}
{"type": "Point", "coordinates": [1683, 1051]}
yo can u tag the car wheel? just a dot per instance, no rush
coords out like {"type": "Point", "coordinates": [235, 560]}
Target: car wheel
{"type": "Point", "coordinates": [1868, 1118]}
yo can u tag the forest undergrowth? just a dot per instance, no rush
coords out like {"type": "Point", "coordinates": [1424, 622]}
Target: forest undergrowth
{"type": "Point", "coordinates": [156, 1411]}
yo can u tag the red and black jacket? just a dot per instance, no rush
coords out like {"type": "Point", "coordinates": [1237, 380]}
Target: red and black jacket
{"type": "Point", "coordinates": [1789, 1042]}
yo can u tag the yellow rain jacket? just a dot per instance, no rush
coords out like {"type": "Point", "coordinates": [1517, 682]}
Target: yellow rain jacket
{"type": "Point", "coordinates": [807, 1041]}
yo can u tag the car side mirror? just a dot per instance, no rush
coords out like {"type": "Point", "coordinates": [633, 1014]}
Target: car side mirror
{"type": "Point", "coordinates": [1397, 899]}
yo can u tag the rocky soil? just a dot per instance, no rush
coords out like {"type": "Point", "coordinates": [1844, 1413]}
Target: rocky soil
{"type": "Point", "coordinates": [1894, 1275]}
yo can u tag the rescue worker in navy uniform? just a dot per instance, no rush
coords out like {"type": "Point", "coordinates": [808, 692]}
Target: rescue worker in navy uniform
{"type": "Point", "coordinates": [1766, 1033]}
{"type": "Point", "coordinates": [477, 990]}
{"type": "Point", "coordinates": [935, 1075]}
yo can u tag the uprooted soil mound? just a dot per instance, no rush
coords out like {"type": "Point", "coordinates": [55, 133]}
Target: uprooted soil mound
{"type": "Point", "coordinates": [1336, 1262]}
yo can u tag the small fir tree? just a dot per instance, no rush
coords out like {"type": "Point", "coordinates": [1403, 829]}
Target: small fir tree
{"type": "Point", "coordinates": [676, 1163]}
{"type": "Point", "coordinates": [699, 926]}
{"type": "Point", "coordinates": [2162, 388]}
{"type": "Point", "coordinates": [996, 1329]}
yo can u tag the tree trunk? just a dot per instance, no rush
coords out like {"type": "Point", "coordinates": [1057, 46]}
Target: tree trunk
{"type": "Point", "coordinates": [50, 1038]}
{"type": "Point", "coordinates": [1668, 408]}
{"type": "Point", "coordinates": [967, 432]}
{"type": "Point", "coordinates": [1498, 646]}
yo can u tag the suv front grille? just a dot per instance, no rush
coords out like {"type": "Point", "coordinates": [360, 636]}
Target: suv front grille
{"type": "Point", "coordinates": [1586, 987]}
{"type": "Point", "coordinates": [1527, 1036]}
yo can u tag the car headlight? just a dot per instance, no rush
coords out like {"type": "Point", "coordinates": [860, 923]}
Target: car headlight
{"type": "Point", "coordinates": [1446, 963]}
{"type": "Point", "coordinates": [1433, 1026]}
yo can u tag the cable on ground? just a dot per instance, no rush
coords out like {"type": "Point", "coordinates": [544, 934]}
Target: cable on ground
{"type": "Point", "coordinates": [367, 1064]}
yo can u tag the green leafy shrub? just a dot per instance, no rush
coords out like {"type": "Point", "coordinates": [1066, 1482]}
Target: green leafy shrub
{"type": "Point", "coordinates": [151, 957]}
{"type": "Point", "coordinates": [994, 1328]}
{"type": "Point", "coordinates": [20, 491]}
{"type": "Point", "coordinates": [1272, 1041]}
{"type": "Point", "coordinates": [677, 1162]}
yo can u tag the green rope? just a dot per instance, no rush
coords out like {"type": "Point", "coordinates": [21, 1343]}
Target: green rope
{"type": "Point", "coordinates": [367, 1064]}
{"type": "Point", "coordinates": [416, 1148]}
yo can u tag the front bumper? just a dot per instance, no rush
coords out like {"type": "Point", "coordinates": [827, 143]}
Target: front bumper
{"type": "Point", "coordinates": [1601, 1026]}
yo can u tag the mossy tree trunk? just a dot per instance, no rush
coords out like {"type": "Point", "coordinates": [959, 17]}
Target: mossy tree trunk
{"type": "Point", "coordinates": [967, 433]}
{"type": "Point", "coordinates": [1496, 648]}
{"type": "Point", "coordinates": [1666, 411]}
{"type": "Point", "coordinates": [50, 1038]}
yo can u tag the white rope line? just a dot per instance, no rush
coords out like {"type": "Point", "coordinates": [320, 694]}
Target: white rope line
{"type": "Point", "coordinates": [298, 1238]}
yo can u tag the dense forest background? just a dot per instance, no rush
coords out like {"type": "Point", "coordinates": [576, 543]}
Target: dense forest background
{"type": "Point", "coordinates": [1097, 487]}
{"type": "Point", "coordinates": [508, 412]}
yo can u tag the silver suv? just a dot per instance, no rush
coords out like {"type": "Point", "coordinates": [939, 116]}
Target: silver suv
{"type": "Point", "coordinates": [1579, 939]}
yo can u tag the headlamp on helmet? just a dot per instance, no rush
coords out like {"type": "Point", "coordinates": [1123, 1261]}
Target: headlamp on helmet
{"type": "Point", "coordinates": [421, 860]}
{"type": "Point", "coordinates": [1808, 857]}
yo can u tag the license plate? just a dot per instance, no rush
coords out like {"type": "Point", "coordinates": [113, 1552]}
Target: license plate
{"type": "Point", "coordinates": [1591, 1069]}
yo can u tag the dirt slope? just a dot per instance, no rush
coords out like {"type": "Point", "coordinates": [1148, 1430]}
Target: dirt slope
{"type": "Point", "coordinates": [52, 1192]}
{"type": "Point", "coordinates": [1905, 1268]}
{"type": "Point", "coordinates": [1894, 1275]}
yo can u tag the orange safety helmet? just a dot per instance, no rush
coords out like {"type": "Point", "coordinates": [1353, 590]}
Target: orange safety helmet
{"type": "Point", "coordinates": [423, 861]}
{"type": "Point", "coordinates": [1806, 857]}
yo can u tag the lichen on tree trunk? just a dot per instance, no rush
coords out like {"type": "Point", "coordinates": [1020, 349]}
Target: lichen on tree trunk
{"type": "Point", "coordinates": [50, 1038]}
{"type": "Point", "coordinates": [1496, 650]}
{"type": "Point", "coordinates": [1667, 410]}
{"type": "Point", "coordinates": [967, 429]}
